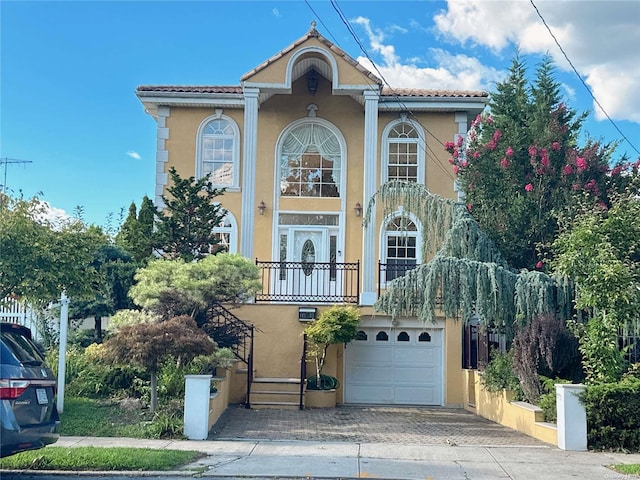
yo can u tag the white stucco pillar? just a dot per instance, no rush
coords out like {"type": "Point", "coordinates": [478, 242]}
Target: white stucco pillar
{"type": "Point", "coordinates": [249, 158]}
{"type": "Point", "coordinates": [368, 287]}
{"type": "Point", "coordinates": [196, 406]}
{"type": "Point", "coordinates": [461, 119]}
{"type": "Point", "coordinates": [162, 155]}
{"type": "Point", "coordinates": [572, 418]}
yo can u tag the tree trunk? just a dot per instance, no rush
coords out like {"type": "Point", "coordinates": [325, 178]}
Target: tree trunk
{"type": "Point", "coordinates": [98, 327]}
{"type": "Point", "coordinates": [154, 390]}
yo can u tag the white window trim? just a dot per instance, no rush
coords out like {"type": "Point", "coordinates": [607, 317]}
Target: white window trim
{"type": "Point", "coordinates": [232, 231]}
{"type": "Point", "coordinates": [383, 238]}
{"type": "Point", "coordinates": [422, 148]}
{"type": "Point", "coordinates": [235, 181]}
{"type": "Point", "coordinates": [343, 155]}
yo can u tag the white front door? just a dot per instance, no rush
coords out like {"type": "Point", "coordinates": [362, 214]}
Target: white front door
{"type": "Point", "coordinates": [395, 366]}
{"type": "Point", "coordinates": [309, 247]}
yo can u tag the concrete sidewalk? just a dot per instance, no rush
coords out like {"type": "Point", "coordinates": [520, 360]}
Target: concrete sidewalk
{"type": "Point", "coordinates": [303, 460]}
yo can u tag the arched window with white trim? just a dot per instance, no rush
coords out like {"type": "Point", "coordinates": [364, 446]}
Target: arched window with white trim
{"type": "Point", "coordinates": [227, 235]}
{"type": "Point", "coordinates": [310, 161]}
{"type": "Point", "coordinates": [403, 156]}
{"type": "Point", "coordinates": [400, 247]}
{"type": "Point", "coordinates": [218, 151]}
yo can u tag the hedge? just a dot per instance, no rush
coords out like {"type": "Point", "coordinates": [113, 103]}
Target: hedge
{"type": "Point", "coordinates": [613, 415]}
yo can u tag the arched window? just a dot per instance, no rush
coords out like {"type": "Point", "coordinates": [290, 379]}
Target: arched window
{"type": "Point", "coordinates": [361, 335]}
{"type": "Point", "coordinates": [424, 337]}
{"type": "Point", "coordinates": [310, 162]}
{"type": "Point", "coordinates": [403, 152]}
{"type": "Point", "coordinates": [218, 151]}
{"type": "Point", "coordinates": [400, 247]}
{"type": "Point", "coordinates": [403, 337]}
{"type": "Point", "coordinates": [226, 233]}
{"type": "Point", "coordinates": [382, 337]}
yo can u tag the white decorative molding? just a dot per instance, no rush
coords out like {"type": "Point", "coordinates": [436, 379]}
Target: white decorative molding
{"type": "Point", "coordinates": [249, 158]}
{"type": "Point", "coordinates": [312, 108]}
{"type": "Point", "coordinates": [368, 295]}
{"type": "Point", "coordinates": [162, 155]}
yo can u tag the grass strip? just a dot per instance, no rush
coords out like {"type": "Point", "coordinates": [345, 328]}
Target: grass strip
{"type": "Point", "coordinates": [629, 469]}
{"type": "Point", "coordinates": [99, 459]}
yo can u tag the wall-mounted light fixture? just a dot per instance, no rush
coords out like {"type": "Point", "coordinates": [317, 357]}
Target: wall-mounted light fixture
{"type": "Point", "coordinates": [358, 209]}
{"type": "Point", "coordinates": [261, 207]}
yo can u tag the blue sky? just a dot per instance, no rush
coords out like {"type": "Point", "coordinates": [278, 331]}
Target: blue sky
{"type": "Point", "coordinates": [69, 70]}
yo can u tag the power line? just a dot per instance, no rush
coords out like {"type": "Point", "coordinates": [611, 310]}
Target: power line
{"type": "Point", "coordinates": [344, 20]}
{"type": "Point", "coordinates": [581, 79]}
{"type": "Point", "coordinates": [321, 22]}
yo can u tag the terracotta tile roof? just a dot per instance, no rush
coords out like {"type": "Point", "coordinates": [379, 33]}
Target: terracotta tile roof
{"type": "Point", "coordinates": [386, 91]}
{"type": "Point", "coordinates": [421, 92]}
{"type": "Point", "coordinates": [189, 89]}
{"type": "Point", "coordinates": [313, 33]}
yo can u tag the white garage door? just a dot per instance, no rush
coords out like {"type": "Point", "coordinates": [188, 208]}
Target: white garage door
{"type": "Point", "coordinates": [401, 366]}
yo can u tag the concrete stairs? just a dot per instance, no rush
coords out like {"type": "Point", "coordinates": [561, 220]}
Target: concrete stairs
{"type": "Point", "coordinates": [279, 393]}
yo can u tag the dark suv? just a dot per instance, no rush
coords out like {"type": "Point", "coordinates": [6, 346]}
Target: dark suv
{"type": "Point", "coordinates": [28, 414]}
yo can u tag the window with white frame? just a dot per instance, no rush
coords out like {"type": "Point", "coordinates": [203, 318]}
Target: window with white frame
{"type": "Point", "coordinates": [400, 248]}
{"type": "Point", "coordinates": [218, 151]}
{"type": "Point", "coordinates": [226, 235]}
{"type": "Point", "coordinates": [404, 152]}
{"type": "Point", "coordinates": [310, 162]}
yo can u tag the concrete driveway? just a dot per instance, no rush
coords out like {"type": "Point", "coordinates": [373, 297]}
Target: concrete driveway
{"type": "Point", "coordinates": [368, 424]}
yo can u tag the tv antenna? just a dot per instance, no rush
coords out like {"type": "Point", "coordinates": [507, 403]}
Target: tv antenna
{"type": "Point", "coordinates": [6, 161]}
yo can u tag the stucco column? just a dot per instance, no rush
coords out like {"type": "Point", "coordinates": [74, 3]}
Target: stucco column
{"type": "Point", "coordinates": [196, 406]}
{"type": "Point", "coordinates": [572, 418]}
{"type": "Point", "coordinates": [368, 293]}
{"type": "Point", "coordinates": [249, 153]}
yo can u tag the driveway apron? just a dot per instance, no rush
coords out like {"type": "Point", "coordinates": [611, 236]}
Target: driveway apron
{"type": "Point", "coordinates": [367, 424]}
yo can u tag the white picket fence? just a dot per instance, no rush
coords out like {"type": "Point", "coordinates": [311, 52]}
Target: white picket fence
{"type": "Point", "coordinates": [14, 311]}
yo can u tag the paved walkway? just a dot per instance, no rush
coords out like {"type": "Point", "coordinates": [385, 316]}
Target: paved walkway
{"type": "Point", "coordinates": [400, 425]}
{"type": "Point", "coordinates": [360, 442]}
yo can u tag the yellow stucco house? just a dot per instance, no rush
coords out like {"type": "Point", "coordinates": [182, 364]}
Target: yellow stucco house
{"type": "Point", "coordinates": [301, 145]}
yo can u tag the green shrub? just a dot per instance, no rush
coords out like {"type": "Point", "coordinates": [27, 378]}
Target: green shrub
{"type": "Point", "coordinates": [613, 415]}
{"type": "Point", "coordinates": [547, 401]}
{"type": "Point", "coordinates": [499, 375]}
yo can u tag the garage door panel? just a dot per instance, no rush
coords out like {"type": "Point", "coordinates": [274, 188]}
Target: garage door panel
{"type": "Point", "coordinates": [416, 396]}
{"type": "Point", "coordinates": [378, 355]}
{"type": "Point", "coordinates": [418, 374]}
{"type": "Point", "coordinates": [364, 373]}
{"type": "Point", "coordinates": [408, 356]}
{"type": "Point", "coordinates": [373, 394]}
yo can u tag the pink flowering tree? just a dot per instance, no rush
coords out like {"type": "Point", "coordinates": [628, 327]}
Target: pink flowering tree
{"type": "Point", "coordinates": [522, 171]}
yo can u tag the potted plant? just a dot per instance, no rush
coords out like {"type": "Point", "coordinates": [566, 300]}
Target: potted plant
{"type": "Point", "coordinates": [338, 324]}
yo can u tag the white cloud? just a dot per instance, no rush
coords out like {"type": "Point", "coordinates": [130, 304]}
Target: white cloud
{"type": "Point", "coordinates": [452, 72]}
{"type": "Point", "coordinates": [54, 216]}
{"type": "Point", "coordinates": [134, 155]}
{"type": "Point", "coordinates": [276, 12]}
{"type": "Point", "coordinates": [600, 38]}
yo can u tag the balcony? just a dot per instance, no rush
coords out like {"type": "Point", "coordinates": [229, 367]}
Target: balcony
{"type": "Point", "coordinates": [390, 271]}
{"type": "Point", "coordinates": [303, 282]}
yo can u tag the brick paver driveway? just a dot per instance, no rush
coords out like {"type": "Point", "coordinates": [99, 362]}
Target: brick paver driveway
{"type": "Point", "coordinates": [367, 424]}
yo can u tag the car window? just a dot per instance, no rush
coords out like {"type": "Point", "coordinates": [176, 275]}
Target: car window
{"type": "Point", "coordinates": [22, 348]}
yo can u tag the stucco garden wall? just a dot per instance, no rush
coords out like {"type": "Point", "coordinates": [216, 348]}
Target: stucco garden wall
{"type": "Point", "coordinates": [500, 407]}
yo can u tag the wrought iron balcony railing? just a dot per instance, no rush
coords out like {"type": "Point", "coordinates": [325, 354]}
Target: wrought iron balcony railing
{"type": "Point", "coordinates": [305, 282]}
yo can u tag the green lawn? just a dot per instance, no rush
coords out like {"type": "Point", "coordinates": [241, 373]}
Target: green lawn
{"type": "Point", "coordinates": [630, 469]}
{"type": "Point", "coordinates": [105, 418]}
{"type": "Point", "coordinates": [99, 459]}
